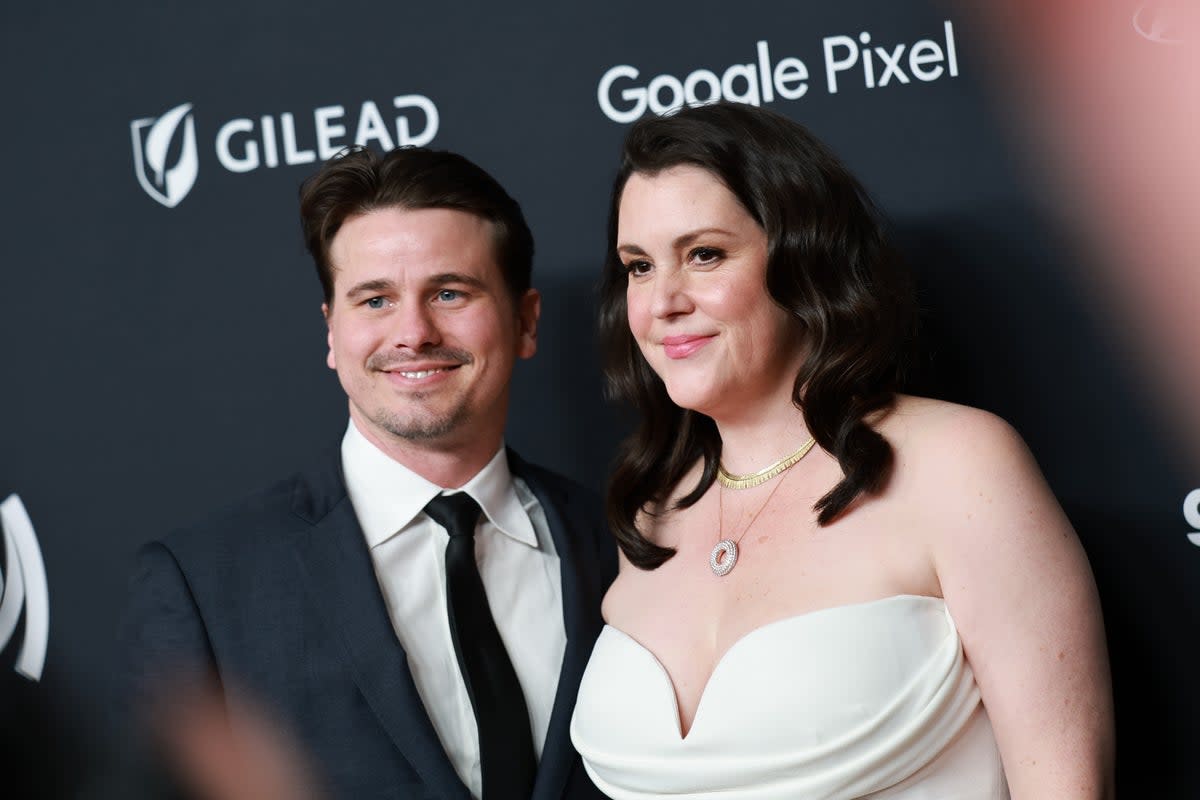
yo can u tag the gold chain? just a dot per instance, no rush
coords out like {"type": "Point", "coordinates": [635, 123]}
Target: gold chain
{"type": "Point", "coordinates": [730, 481]}
{"type": "Point", "coordinates": [753, 519]}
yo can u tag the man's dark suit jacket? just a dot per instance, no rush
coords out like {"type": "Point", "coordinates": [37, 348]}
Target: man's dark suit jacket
{"type": "Point", "coordinates": [278, 595]}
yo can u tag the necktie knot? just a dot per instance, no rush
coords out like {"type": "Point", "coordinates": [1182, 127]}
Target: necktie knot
{"type": "Point", "coordinates": [457, 513]}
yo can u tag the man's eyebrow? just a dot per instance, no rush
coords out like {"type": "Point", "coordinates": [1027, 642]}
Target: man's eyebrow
{"type": "Point", "coordinates": [444, 278]}
{"type": "Point", "coordinates": [374, 285]}
{"type": "Point", "coordinates": [381, 285]}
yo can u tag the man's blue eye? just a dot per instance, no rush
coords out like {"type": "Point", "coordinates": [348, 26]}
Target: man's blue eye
{"type": "Point", "coordinates": [376, 302]}
{"type": "Point", "coordinates": [447, 295]}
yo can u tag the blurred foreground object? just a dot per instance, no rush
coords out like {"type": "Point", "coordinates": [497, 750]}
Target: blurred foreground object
{"type": "Point", "coordinates": [223, 748]}
{"type": "Point", "coordinates": [1111, 91]}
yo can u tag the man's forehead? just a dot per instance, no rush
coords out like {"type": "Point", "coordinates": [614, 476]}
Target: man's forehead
{"type": "Point", "coordinates": [433, 219]}
{"type": "Point", "coordinates": [426, 239]}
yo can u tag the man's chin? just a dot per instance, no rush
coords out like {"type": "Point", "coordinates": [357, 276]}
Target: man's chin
{"type": "Point", "coordinates": [424, 428]}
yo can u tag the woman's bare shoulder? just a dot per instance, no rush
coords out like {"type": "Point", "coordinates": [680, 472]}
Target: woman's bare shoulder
{"type": "Point", "coordinates": [939, 433]}
{"type": "Point", "coordinates": [950, 457]}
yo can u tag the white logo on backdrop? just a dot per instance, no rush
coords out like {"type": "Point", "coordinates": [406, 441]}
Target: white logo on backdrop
{"type": "Point", "coordinates": [152, 140]}
{"type": "Point", "coordinates": [166, 160]}
{"type": "Point", "coordinates": [23, 583]}
{"type": "Point", "coordinates": [1160, 22]}
{"type": "Point", "coordinates": [846, 60]}
{"type": "Point", "coordinates": [1191, 513]}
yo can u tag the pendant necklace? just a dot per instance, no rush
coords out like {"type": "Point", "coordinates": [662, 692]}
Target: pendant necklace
{"type": "Point", "coordinates": [724, 555]}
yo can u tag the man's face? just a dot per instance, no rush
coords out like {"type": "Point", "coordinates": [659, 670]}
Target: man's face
{"type": "Point", "coordinates": [423, 331]}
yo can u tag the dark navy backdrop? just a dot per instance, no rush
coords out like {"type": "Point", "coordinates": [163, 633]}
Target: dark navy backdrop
{"type": "Point", "coordinates": [161, 360]}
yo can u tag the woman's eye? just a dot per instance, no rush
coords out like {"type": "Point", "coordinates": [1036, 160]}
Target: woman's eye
{"type": "Point", "coordinates": [638, 267]}
{"type": "Point", "coordinates": [706, 255]}
{"type": "Point", "coordinates": [376, 303]}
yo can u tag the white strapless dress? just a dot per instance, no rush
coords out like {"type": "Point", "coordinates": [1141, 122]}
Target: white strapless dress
{"type": "Point", "coordinates": [869, 700]}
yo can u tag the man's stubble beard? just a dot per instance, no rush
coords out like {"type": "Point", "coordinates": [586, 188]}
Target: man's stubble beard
{"type": "Point", "coordinates": [422, 427]}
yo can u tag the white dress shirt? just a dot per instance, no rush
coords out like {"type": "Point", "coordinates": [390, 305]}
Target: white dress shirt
{"type": "Point", "coordinates": [520, 571]}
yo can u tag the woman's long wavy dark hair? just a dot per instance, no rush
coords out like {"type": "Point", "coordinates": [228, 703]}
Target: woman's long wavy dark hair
{"type": "Point", "coordinates": [828, 265]}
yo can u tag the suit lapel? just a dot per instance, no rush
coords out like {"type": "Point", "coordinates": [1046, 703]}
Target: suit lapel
{"type": "Point", "coordinates": [582, 592]}
{"type": "Point", "coordinates": [334, 557]}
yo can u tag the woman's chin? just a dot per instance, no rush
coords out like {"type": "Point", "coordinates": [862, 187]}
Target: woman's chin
{"type": "Point", "coordinates": [692, 399]}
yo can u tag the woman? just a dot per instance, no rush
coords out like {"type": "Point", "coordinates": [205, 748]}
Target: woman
{"type": "Point", "coordinates": [827, 590]}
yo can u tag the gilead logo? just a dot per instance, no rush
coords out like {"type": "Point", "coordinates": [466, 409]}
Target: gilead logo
{"type": "Point", "coordinates": [23, 583]}
{"type": "Point", "coordinates": [152, 146]}
{"type": "Point", "coordinates": [166, 158]}
{"type": "Point", "coordinates": [238, 140]}
{"type": "Point", "coordinates": [1191, 513]}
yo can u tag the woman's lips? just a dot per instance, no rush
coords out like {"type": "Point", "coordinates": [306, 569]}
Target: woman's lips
{"type": "Point", "coordinates": [683, 346]}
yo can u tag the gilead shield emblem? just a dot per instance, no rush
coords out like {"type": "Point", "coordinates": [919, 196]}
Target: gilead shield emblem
{"type": "Point", "coordinates": [164, 154]}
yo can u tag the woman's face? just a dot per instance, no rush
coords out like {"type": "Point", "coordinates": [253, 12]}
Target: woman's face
{"type": "Point", "coordinates": [697, 295]}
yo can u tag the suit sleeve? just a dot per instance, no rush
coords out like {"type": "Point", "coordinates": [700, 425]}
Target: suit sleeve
{"type": "Point", "coordinates": [164, 645]}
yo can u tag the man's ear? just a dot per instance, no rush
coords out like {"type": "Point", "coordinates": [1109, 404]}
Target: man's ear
{"type": "Point", "coordinates": [529, 309]}
{"type": "Point", "coordinates": [329, 357]}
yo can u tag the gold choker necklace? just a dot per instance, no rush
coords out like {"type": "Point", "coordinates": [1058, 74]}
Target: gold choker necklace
{"type": "Point", "coordinates": [730, 481]}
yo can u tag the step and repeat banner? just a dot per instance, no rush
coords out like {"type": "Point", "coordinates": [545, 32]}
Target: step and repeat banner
{"type": "Point", "coordinates": [164, 346]}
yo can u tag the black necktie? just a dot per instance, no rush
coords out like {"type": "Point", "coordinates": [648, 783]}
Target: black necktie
{"type": "Point", "coordinates": [505, 740]}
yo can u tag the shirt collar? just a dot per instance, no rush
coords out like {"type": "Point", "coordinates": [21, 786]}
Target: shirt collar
{"type": "Point", "coordinates": [388, 497]}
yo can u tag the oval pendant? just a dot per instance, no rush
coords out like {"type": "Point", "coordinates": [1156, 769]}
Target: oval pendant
{"type": "Point", "coordinates": [723, 557]}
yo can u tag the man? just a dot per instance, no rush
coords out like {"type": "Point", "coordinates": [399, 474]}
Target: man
{"type": "Point", "coordinates": [418, 608]}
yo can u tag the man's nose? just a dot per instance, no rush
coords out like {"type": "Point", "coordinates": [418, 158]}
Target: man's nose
{"type": "Point", "coordinates": [414, 325]}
